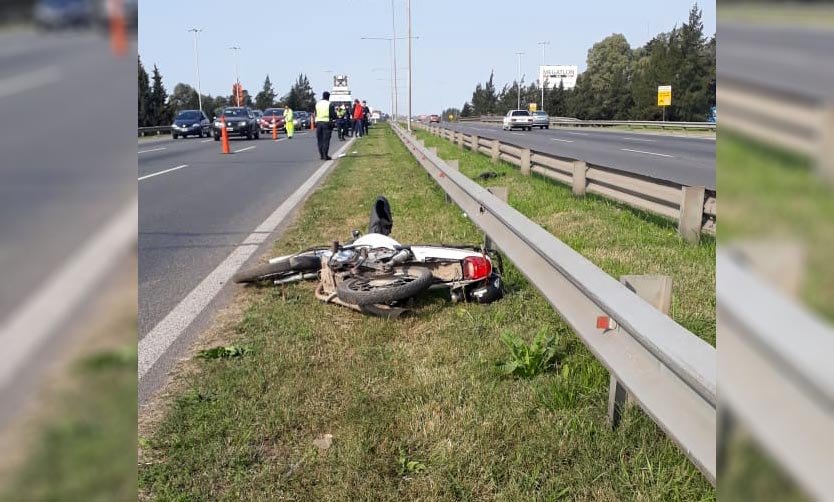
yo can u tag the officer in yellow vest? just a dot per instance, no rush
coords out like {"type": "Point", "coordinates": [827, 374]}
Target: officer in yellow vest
{"type": "Point", "coordinates": [289, 125]}
{"type": "Point", "coordinates": [325, 115]}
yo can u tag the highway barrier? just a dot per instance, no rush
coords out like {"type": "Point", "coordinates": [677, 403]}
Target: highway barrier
{"type": "Point", "coordinates": [693, 207]}
{"type": "Point", "coordinates": [154, 131]}
{"type": "Point", "coordinates": [667, 370]}
{"type": "Point", "coordinates": [631, 124]}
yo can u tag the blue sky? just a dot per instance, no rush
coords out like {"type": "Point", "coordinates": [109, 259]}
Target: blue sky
{"type": "Point", "coordinates": [460, 41]}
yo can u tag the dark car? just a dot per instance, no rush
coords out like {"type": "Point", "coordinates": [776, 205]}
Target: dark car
{"type": "Point", "coordinates": [240, 121]}
{"type": "Point", "coordinates": [302, 120]}
{"type": "Point", "coordinates": [272, 115]}
{"type": "Point", "coordinates": [191, 123]}
{"type": "Point", "coordinates": [53, 14]}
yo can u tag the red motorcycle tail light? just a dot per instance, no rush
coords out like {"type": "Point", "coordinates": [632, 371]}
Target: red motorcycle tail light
{"type": "Point", "coordinates": [476, 268]}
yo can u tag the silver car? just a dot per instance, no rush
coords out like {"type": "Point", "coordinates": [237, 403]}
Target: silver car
{"type": "Point", "coordinates": [517, 119]}
{"type": "Point", "coordinates": [541, 120]}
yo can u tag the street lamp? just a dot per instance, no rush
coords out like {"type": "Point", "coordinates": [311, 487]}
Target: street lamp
{"type": "Point", "coordinates": [197, 65]}
{"type": "Point", "coordinates": [393, 66]}
{"type": "Point", "coordinates": [544, 45]}
{"type": "Point", "coordinates": [518, 81]}
{"type": "Point", "coordinates": [409, 65]}
{"type": "Point", "coordinates": [237, 76]}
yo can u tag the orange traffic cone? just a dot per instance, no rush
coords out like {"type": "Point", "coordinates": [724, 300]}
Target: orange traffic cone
{"type": "Point", "coordinates": [312, 121]}
{"type": "Point", "coordinates": [118, 32]}
{"type": "Point", "coordinates": [274, 130]}
{"type": "Point", "coordinates": [224, 136]}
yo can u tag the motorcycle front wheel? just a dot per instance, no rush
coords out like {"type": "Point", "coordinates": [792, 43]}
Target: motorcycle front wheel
{"type": "Point", "coordinates": [383, 289]}
{"type": "Point", "coordinates": [271, 271]}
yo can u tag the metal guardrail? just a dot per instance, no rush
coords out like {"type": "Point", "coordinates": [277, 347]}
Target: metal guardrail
{"type": "Point", "coordinates": [567, 122]}
{"type": "Point", "coordinates": [777, 379]}
{"type": "Point", "coordinates": [693, 207]}
{"type": "Point", "coordinates": [154, 131]}
{"type": "Point", "coordinates": [669, 372]}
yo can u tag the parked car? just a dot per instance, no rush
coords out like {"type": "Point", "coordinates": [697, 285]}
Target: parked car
{"type": "Point", "coordinates": [302, 120]}
{"type": "Point", "coordinates": [541, 120]}
{"type": "Point", "coordinates": [191, 122]}
{"type": "Point", "coordinates": [272, 115]}
{"type": "Point", "coordinates": [240, 121]}
{"type": "Point", "coordinates": [434, 119]}
{"type": "Point", "coordinates": [517, 119]}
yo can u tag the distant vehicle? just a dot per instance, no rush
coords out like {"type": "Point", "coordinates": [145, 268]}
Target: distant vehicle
{"type": "Point", "coordinates": [713, 115]}
{"type": "Point", "coordinates": [53, 14]}
{"type": "Point", "coordinates": [258, 114]}
{"type": "Point", "coordinates": [541, 120]}
{"type": "Point", "coordinates": [434, 119]}
{"type": "Point", "coordinates": [302, 120]}
{"type": "Point", "coordinates": [240, 121]}
{"type": "Point", "coordinates": [271, 115]}
{"type": "Point", "coordinates": [517, 119]}
{"type": "Point", "coordinates": [191, 122]}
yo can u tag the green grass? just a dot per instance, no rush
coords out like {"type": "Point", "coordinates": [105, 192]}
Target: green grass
{"type": "Point", "coordinates": [416, 407]}
{"type": "Point", "coordinates": [798, 14]}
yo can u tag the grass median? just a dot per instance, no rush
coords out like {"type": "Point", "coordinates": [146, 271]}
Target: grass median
{"type": "Point", "coordinates": [415, 408]}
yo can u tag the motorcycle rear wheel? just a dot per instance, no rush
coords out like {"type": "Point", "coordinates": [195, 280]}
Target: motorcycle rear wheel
{"type": "Point", "coordinates": [383, 289]}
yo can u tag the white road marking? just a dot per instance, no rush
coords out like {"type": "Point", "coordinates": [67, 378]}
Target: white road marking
{"type": "Point", "coordinates": [30, 326]}
{"type": "Point", "coordinates": [161, 172]}
{"type": "Point", "coordinates": [279, 140]}
{"type": "Point", "coordinates": [206, 140]}
{"type": "Point", "coordinates": [638, 139]}
{"type": "Point", "coordinates": [518, 133]}
{"type": "Point", "coordinates": [244, 149]}
{"type": "Point", "coordinates": [153, 150]}
{"type": "Point", "coordinates": [562, 140]}
{"type": "Point", "coordinates": [647, 153]}
{"type": "Point", "coordinates": [159, 339]}
{"type": "Point", "coordinates": [29, 81]}
{"type": "Point", "coordinates": [579, 133]}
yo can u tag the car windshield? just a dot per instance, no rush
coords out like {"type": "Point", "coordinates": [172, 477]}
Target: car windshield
{"type": "Point", "coordinates": [521, 113]}
{"type": "Point", "coordinates": [188, 115]}
{"type": "Point", "coordinates": [235, 112]}
{"type": "Point", "coordinates": [540, 114]}
{"type": "Point", "coordinates": [273, 111]}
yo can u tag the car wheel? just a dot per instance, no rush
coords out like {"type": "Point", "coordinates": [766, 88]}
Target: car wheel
{"type": "Point", "coordinates": [216, 137]}
{"type": "Point", "coordinates": [257, 134]}
{"type": "Point", "coordinates": [174, 135]}
{"type": "Point", "coordinates": [249, 134]}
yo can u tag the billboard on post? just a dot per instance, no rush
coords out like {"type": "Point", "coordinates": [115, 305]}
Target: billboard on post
{"type": "Point", "coordinates": [551, 75]}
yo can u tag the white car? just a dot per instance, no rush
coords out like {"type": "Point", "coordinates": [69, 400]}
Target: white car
{"type": "Point", "coordinates": [517, 119]}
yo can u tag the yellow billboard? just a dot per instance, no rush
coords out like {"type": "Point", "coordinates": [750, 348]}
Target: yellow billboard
{"type": "Point", "coordinates": [664, 95]}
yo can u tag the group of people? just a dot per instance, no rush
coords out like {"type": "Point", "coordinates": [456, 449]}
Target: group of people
{"type": "Point", "coordinates": [348, 120]}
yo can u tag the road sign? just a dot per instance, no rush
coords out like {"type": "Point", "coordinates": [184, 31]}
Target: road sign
{"type": "Point", "coordinates": [664, 95]}
{"type": "Point", "coordinates": [532, 107]}
{"type": "Point", "coordinates": [552, 75]}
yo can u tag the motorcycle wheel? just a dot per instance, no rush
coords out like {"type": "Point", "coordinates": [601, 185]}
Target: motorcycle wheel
{"type": "Point", "coordinates": [267, 271]}
{"type": "Point", "coordinates": [401, 284]}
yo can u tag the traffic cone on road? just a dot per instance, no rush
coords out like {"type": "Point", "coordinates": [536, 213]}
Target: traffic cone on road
{"type": "Point", "coordinates": [274, 130]}
{"type": "Point", "coordinates": [118, 32]}
{"type": "Point", "coordinates": [312, 121]}
{"type": "Point", "coordinates": [224, 136]}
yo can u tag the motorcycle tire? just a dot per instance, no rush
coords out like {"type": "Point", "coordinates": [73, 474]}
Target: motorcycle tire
{"type": "Point", "coordinates": [267, 271]}
{"type": "Point", "coordinates": [384, 289]}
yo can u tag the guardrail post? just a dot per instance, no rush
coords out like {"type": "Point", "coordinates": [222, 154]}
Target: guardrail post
{"type": "Point", "coordinates": [825, 162]}
{"type": "Point", "coordinates": [525, 161]}
{"type": "Point", "coordinates": [475, 143]}
{"type": "Point", "coordinates": [454, 164]}
{"type": "Point", "coordinates": [692, 213]}
{"type": "Point", "coordinates": [656, 290]}
{"type": "Point", "coordinates": [503, 194]}
{"type": "Point", "coordinates": [496, 150]}
{"type": "Point", "coordinates": [460, 139]}
{"type": "Point", "coordinates": [580, 168]}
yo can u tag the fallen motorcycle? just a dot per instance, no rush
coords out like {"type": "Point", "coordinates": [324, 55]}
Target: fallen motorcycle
{"type": "Point", "coordinates": [375, 274]}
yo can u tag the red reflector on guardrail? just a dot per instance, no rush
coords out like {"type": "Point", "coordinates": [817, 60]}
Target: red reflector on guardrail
{"type": "Point", "coordinates": [606, 323]}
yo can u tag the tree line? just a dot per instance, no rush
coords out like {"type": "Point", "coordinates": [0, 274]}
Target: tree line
{"type": "Point", "coordinates": [158, 108]}
{"type": "Point", "coordinates": [620, 83]}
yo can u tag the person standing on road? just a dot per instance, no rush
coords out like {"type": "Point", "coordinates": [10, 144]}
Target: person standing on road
{"type": "Point", "coordinates": [366, 116]}
{"type": "Point", "coordinates": [325, 113]}
{"type": "Point", "coordinates": [340, 122]}
{"type": "Point", "coordinates": [358, 129]}
{"type": "Point", "coordinates": [289, 125]}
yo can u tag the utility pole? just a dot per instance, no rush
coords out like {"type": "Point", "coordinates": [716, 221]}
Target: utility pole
{"type": "Point", "coordinates": [544, 45]}
{"type": "Point", "coordinates": [237, 77]}
{"type": "Point", "coordinates": [197, 65]}
{"type": "Point", "coordinates": [394, 58]}
{"type": "Point", "coordinates": [518, 81]}
{"type": "Point", "coordinates": [409, 66]}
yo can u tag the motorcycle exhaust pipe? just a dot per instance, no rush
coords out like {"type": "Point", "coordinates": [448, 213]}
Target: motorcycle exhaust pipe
{"type": "Point", "coordinates": [295, 278]}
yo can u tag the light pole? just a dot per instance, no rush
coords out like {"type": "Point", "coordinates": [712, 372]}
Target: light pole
{"type": "Point", "coordinates": [544, 45]}
{"type": "Point", "coordinates": [409, 66]}
{"type": "Point", "coordinates": [394, 78]}
{"type": "Point", "coordinates": [237, 77]}
{"type": "Point", "coordinates": [197, 65]}
{"type": "Point", "coordinates": [394, 60]}
{"type": "Point", "coordinates": [393, 91]}
{"type": "Point", "coordinates": [518, 81]}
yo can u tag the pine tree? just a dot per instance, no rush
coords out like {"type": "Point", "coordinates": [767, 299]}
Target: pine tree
{"type": "Point", "coordinates": [157, 110]}
{"type": "Point", "coordinates": [266, 98]}
{"type": "Point", "coordinates": [466, 111]}
{"type": "Point", "coordinates": [144, 96]}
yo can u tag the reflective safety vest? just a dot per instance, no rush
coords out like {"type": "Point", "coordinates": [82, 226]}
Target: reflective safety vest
{"type": "Point", "coordinates": [288, 113]}
{"type": "Point", "coordinates": [323, 111]}
{"type": "Point", "coordinates": [340, 112]}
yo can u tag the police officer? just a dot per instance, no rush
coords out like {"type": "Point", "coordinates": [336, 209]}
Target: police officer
{"type": "Point", "coordinates": [340, 122]}
{"type": "Point", "coordinates": [289, 125]}
{"type": "Point", "coordinates": [325, 114]}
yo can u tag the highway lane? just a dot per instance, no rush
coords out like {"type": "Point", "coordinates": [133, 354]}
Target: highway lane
{"type": "Point", "coordinates": [750, 53]}
{"type": "Point", "coordinates": [196, 207]}
{"type": "Point", "coordinates": [65, 173]}
{"type": "Point", "coordinates": [685, 160]}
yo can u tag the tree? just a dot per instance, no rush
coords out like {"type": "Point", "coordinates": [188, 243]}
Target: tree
{"type": "Point", "coordinates": [484, 99]}
{"type": "Point", "coordinates": [454, 112]}
{"type": "Point", "coordinates": [466, 111]}
{"type": "Point", "coordinates": [158, 113]}
{"type": "Point", "coordinates": [607, 78]}
{"type": "Point", "coordinates": [556, 101]}
{"type": "Point", "coordinates": [266, 98]}
{"type": "Point", "coordinates": [301, 95]}
{"type": "Point", "coordinates": [184, 97]}
{"type": "Point", "coordinates": [144, 96]}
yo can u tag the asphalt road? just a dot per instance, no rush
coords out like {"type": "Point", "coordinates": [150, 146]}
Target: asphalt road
{"type": "Point", "coordinates": [196, 206]}
{"type": "Point", "coordinates": [64, 173]}
{"type": "Point", "coordinates": [793, 60]}
{"type": "Point", "coordinates": [684, 160]}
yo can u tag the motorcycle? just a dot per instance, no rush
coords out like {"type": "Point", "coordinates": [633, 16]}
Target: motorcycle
{"type": "Point", "coordinates": [375, 274]}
